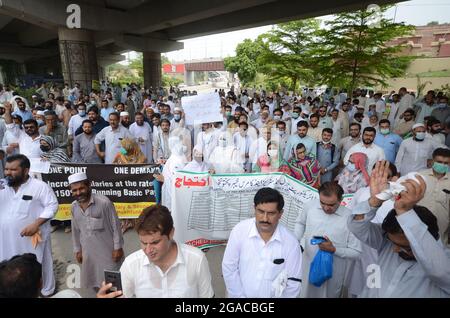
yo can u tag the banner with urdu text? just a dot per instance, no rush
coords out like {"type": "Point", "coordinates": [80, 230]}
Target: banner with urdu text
{"type": "Point", "coordinates": [129, 187]}
{"type": "Point", "coordinates": [205, 208]}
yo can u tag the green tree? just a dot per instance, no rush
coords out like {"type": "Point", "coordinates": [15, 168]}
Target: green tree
{"type": "Point", "coordinates": [244, 63]}
{"type": "Point", "coordinates": [353, 49]}
{"type": "Point", "coordinates": [287, 52]}
{"type": "Point", "coordinates": [137, 64]}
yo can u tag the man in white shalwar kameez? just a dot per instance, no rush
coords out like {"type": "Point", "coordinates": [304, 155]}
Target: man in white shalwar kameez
{"type": "Point", "coordinates": [142, 133]}
{"type": "Point", "coordinates": [243, 142]}
{"type": "Point", "coordinates": [326, 218]}
{"type": "Point", "coordinates": [27, 206]}
{"type": "Point", "coordinates": [207, 141]}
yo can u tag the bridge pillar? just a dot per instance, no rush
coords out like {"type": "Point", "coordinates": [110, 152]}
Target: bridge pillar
{"type": "Point", "coordinates": [152, 69]}
{"type": "Point", "coordinates": [189, 78]}
{"type": "Point", "coordinates": [78, 57]}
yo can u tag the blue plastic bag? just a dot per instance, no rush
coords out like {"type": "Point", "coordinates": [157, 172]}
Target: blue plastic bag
{"type": "Point", "coordinates": [321, 268]}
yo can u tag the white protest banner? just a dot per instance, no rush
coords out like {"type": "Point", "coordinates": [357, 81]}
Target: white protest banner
{"type": "Point", "coordinates": [205, 208]}
{"type": "Point", "coordinates": [203, 108]}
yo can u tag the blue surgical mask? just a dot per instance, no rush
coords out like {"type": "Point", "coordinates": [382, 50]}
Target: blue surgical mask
{"type": "Point", "coordinates": [177, 117]}
{"type": "Point", "coordinates": [384, 131]}
{"type": "Point", "coordinates": [351, 167]}
{"type": "Point", "coordinates": [440, 168]}
{"type": "Point", "coordinates": [295, 115]}
{"type": "Point", "coordinates": [441, 105]}
{"type": "Point", "coordinates": [82, 113]}
{"type": "Point", "coordinates": [420, 136]}
{"type": "Point", "coordinates": [40, 122]}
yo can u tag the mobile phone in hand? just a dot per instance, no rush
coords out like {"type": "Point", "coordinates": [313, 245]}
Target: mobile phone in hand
{"type": "Point", "coordinates": [115, 279]}
{"type": "Point", "coordinates": [319, 238]}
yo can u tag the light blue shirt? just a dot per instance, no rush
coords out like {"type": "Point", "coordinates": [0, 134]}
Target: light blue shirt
{"type": "Point", "coordinates": [24, 114]}
{"type": "Point", "coordinates": [293, 140]}
{"type": "Point", "coordinates": [390, 144]}
{"type": "Point", "coordinates": [427, 276]}
{"type": "Point", "coordinates": [105, 113]}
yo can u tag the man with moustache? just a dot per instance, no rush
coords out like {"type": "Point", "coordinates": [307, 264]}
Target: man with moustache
{"type": "Point", "coordinates": [27, 206]}
{"type": "Point", "coordinates": [83, 145]}
{"type": "Point", "coordinates": [96, 233]}
{"type": "Point", "coordinates": [373, 152]}
{"type": "Point", "coordinates": [263, 258]}
{"type": "Point", "coordinates": [327, 218]}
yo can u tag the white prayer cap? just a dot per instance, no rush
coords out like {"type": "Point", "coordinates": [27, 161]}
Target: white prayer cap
{"type": "Point", "coordinates": [34, 96]}
{"type": "Point", "coordinates": [306, 112]}
{"type": "Point", "coordinates": [40, 113]}
{"type": "Point", "coordinates": [177, 109]}
{"type": "Point", "coordinates": [124, 114]}
{"type": "Point", "coordinates": [418, 125]}
{"type": "Point", "coordinates": [77, 177]}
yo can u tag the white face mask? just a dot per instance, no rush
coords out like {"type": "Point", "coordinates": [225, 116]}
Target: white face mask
{"type": "Point", "coordinates": [272, 152]}
{"type": "Point", "coordinates": [276, 117]}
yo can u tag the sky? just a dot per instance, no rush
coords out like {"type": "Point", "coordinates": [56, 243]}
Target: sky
{"type": "Point", "coordinates": [415, 12]}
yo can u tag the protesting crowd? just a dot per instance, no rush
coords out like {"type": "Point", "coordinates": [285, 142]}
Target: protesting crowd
{"type": "Point", "coordinates": [390, 151]}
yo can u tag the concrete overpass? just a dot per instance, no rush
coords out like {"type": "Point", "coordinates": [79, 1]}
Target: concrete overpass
{"type": "Point", "coordinates": [201, 66]}
{"type": "Point", "coordinates": [34, 33]}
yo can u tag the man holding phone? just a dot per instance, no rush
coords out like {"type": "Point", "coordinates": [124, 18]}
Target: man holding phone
{"type": "Point", "coordinates": [325, 218]}
{"type": "Point", "coordinates": [163, 268]}
{"type": "Point", "coordinates": [96, 233]}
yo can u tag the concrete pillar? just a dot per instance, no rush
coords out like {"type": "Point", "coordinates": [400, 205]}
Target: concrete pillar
{"type": "Point", "coordinates": [152, 69]}
{"type": "Point", "coordinates": [189, 79]}
{"type": "Point", "coordinates": [78, 57]}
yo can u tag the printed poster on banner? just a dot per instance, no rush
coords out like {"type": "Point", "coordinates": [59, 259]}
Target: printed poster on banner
{"type": "Point", "coordinates": [205, 208]}
{"type": "Point", "coordinates": [129, 187]}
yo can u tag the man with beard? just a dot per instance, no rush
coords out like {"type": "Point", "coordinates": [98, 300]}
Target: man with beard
{"type": "Point", "coordinates": [55, 130]}
{"type": "Point", "coordinates": [373, 152]}
{"type": "Point", "coordinates": [125, 119]}
{"type": "Point", "coordinates": [28, 138]}
{"type": "Point", "coordinates": [355, 137]}
{"type": "Point", "coordinates": [27, 206]}
{"type": "Point", "coordinates": [415, 154]}
{"type": "Point", "coordinates": [111, 135]}
{"type": "Point", "coordinates": [300, 137]}
{"type": "Point", "coordinates": [142, 133]}
{"type": "Point", "coordinates": [97, 120]}
{"type": "Point", "coordinates": [84, 146]}
{"type": "Point", "coordinates": [404, 126]}
{"type": "Point", "coordinates": [412, 261]}
{"type": "Point", "coordinates": [161, 149]}
{"type": "Point", "coordinates": [327, 218]}
{"type": "Point", "coordinates": [96, 234]}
